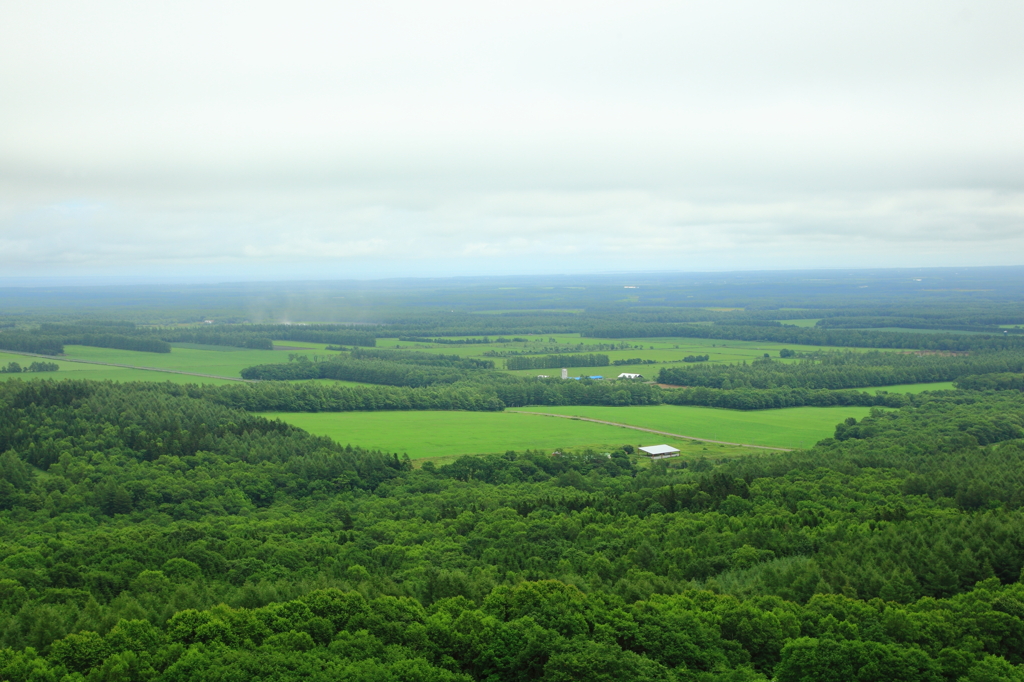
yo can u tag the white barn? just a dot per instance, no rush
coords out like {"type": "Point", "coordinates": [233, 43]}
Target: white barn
{"type": "Point", "coordinates": [627, 375]}
{"type": "Point", "coordinates": [660, 451]}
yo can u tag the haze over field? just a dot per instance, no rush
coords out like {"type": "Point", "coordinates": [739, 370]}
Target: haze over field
{"type": "Point", "coordinates": [322, 140]}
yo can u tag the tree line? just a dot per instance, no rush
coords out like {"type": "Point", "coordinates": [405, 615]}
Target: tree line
{"type": "Point", "coordinates": [337, 334]}
{"type": "Point", "coordinates": [54, 345]}
{"type": "Point", "coordinates": [346, 368]}
{"type": "Point", "coordinates": [143, 344]}
{"type": "Point", "coordinates": [551, 361]}
{"type": "Point", "coordinates": [812, 336]}
{"type": "Point", "coordinates": [460, 342]}
{"type": "Point", "coordinates": [996, 381]}
{"type": "Point", "coordinates": [763, 384]}
{"type": "Point", "coordinates": [416, 358]}
{"type": "Point", "coordinates": [15, 368]}
{"type": "Point", "coordinates": [839, 370]}
{"type": "Point", "coordinates": [844, 322]}
{"type": "Point", "coordinates": [49, 338]}
{"type": "Point", "coordinates": [490, 396]}
{"type": "Point", "coordinates": [218, 336]}
{"type": "Point", "coordinates": [30, 343]}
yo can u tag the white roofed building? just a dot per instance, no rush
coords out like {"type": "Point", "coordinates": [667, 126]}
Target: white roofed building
{"type": "Point", "coordinates": [660, 451]}
{"type": "Point", "coordinates": [627, 375]}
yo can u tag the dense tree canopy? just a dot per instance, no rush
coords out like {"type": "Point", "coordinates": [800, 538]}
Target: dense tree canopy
{"type": "Point", "coordinates": [151, 533]}
{"type": "Point", "coordinates": [839, 370]}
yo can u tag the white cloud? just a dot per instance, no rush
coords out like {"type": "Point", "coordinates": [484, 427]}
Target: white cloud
{"type": "Point", "coordinates": [398, 137]}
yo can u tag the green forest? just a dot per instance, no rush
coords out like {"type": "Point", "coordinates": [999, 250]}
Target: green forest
{"type": "Point", "coordinates": [159, 531]}
{"type": "Point", "coordinates": [151, 533]}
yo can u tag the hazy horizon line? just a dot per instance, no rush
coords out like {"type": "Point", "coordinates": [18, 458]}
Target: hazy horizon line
{"type": "Point", "coordinates": [85, 281]}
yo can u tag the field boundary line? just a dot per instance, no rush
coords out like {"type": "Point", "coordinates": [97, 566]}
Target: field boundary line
{"type": "Point", "coordinates": [112, 364]}
{"type": "Point", "coordinates": [660, 433]}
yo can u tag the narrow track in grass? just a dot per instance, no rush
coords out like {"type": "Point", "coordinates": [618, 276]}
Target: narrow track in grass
{"type": "Point", "coordinates": [61, 358]}
{"type": "Point", "coordinates": [660, 433]}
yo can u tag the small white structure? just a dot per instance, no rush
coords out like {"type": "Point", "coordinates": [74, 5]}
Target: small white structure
{"type": "Point", "coordinates": [542, 376]}
{"type": "Point", "coordinates": [660, 451]}
{"type": "Point", "coordinates": [565, 373]}
{"type": "Point", "coordinates": [627, 375]}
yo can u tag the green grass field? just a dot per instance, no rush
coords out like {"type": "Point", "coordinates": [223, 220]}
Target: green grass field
{"type": "Point", "coordinates": [220, 361]}
{"type": "Point", "coordinates": [792, 427]}
{"type": "Point", "coordinates": [437, 434]}
{"type": "Point", "coordinates": [77, 370]}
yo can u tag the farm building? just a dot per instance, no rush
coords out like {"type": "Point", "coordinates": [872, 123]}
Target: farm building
{"type": "Point", "coordinates": [627, 375]}
{"type": "Point", "coordinates": [660, 451]}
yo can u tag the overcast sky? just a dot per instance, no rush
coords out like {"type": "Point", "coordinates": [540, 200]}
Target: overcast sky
{"type": "Point", "coordinates": [254, 140]}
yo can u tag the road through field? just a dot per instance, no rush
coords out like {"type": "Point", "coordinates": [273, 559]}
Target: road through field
{"type": "Point", "coordinates": [640, 428]}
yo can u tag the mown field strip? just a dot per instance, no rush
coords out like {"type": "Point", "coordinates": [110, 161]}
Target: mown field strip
{"type": "Point", "coordinates": [640, 428]}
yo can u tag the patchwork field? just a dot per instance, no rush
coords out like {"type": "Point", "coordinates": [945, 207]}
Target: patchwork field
{"type": "Point", "coordinates": [667, 351]}
{"type": "Point", "coordinates": [223, 361]}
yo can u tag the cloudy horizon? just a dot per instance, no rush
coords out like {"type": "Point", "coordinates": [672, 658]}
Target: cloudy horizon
{"type": "Point", "coordinates": [316, 140]}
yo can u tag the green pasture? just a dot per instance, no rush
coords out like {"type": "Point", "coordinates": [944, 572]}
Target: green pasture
{"type": "Point", "coordinates": [792, 427]}
{"type": "Point", "coordinates": [801, 322]}
{"type": "Point", "coordinates": [446, 434]}
{"type": "Point", "coordinates": [220, 361]}
{"type": "Point", "coordinates": [81, 370]}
